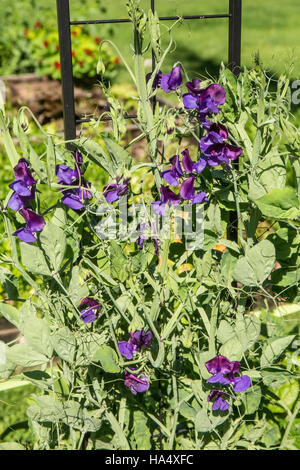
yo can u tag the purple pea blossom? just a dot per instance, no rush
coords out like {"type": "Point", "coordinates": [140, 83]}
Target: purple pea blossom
{"type": "Point", "coordinates": [206, 101]}
{"type": "Point", "coordinates": [215, 149]}
{"type": "Point", "coordinates": [90, 313]}
{"type": "Point", "coordinates": [224, 372]}
{"type": "Point", "coordinates": [137, 340]}
{"type": "Point", "coordinates": [34, 223]}
{"type": "Point", "coordinates": [218, 401]}
{"type": "Point", "coordinates": [113, 192]}
{"type": "Point", "coordinates": [174, 173]}
{"type": "Point", "coordinates": [167, 196]}
{"type": "Point", "coordinates": [171, 81]}
{"type": "Point", "coordinates": [191, 167]}
{"type": "Point", "coordinates": [187, 192]}
{"type": "Point", "coordinates": [157, 79]}
{"type": "Point", "coordinates": [143, 236]}
{"type": "Point", "coordinates": [23, 186]}
{"type": "Point", "coordinates": [136, 384]}
{"type": "Point", "coordinates": [73, 197]}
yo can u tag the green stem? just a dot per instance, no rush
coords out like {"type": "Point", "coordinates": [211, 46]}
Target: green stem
{"type": "Point", "coordinates": [289, 427]}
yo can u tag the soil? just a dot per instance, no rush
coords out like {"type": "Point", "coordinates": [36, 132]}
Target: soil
{"type": "Point", "coordinates": [44, 97]}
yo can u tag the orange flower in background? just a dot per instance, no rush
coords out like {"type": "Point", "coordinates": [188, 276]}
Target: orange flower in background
{"type": "Point", "coordinates": [73, 54]}
{"type": "Point", "coordinates": [98, 40]}
{"type": "Point", "coordinates": [26, 31]}
{"type": "Point", "coordinates": [57, 65]}
{"type": "Point", "coordinates": [46, 43]}
{"type": "Point", "coordinates": [220, 247]}
{"type": "Point", "coordinates": [38, 25]}
{"type": "Point", "coordinates": [184, 267]}
{"type": "Point", "coordinates": [89, 52]}
{"type": "Point", "coordinates": [117, 61]}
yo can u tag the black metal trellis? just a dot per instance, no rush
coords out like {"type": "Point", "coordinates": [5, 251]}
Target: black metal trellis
{"type": "Point", "coordinates": [64, 29]}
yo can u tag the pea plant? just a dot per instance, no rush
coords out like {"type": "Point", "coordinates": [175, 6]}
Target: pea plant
{"type": "Point", "coordinates": [161, 310]}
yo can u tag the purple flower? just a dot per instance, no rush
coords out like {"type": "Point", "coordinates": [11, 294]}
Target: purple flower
{"type": "Point", "coordinates": [157, 80]}
{"type": "Point", "coordinates": [174, 173]}
{"type": "Point", "coordinates": [90, 313]}
{"type": "Point", "coordinates": [73, 197]}
{"type": "Point", "coordinates": [136, 384]}
{"type": "Point", "coordinates": [137, 340]}
{"type": "Point", "coordinates": [126, 349]}
{"type": "Point", "coordinates": [22, 186]}
{"type": "Point", "coordinates": [172, 81]}
{"type": "Point", "coordinates": [22, 173]}
{"type": "Point", "coordinates": [34, 223]}
{"type": "Point", "coordinates": [206, 101]}
{"type": "Point", "coordinates": [166, 197]}
{"type": "Point", "coordinates": [65, 174]}
{"type": "Point", "coordinates": [188, 164]}
{"type": "Point", "coordinates": [218, 401]}
{"type": "Point", "coordinates": [113, 192]}
{"type": "Point", "coordinates": [187, 192]}
{"type": "Point", "coordinates": [194, 86]}
{"type": "Point", "coordinates": [215, 149]}
{"type": "Point", "coordinates": [224, 372]}
{"type": "Point", "coordinates": [78, 158]}
{"type": "Point", "coordinates": [140, 338]}
{"type": "Point", "coordinates": [143, 229]}
{"type": "Point", "coordinates": [18, 202]}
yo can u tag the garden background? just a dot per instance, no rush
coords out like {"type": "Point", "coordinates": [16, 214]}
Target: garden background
{"type": "Point", "coordinates": [28, 46]}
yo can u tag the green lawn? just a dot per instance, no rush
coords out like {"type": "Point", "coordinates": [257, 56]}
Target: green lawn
{"type": "Point", "coordinates": [270, 27]}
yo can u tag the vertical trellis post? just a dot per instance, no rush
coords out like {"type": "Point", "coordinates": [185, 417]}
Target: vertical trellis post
{"type": "Point", "coordinates": [235, 36]}
{"type": "Point", "coordinates": [65, 46]}
{"type": "Point", "coordinates": [234, 64]}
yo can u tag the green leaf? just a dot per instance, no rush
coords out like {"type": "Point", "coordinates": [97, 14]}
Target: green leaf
{"type": "Point", "coordinates": [287, 393]}
{"type": "Point", "coordinates": [10, 313]}
{"type": "Point", "coordinates": [87, 346]}
{"type": "Point", "coordinates": [251, 399]}
{"type": "Point", "coordinates": [23, 355]}
{"type": "Point", "coordinates": [9, 283]}
{"type": "Point", "coordinates": [247, 330]}
{"type": "Point", "coordinates": [64, 343]}
{"type": "Point", "coordinates": [37, 165]}
{"type": "Point", "coordinates": [108, 359]}
{"type": "Point", "coordinates": [11, 446]}
{"type": "Point", "coordinates": [280, 203]}
{"type": "Point", "coordinates": [271, 171]}
{"type": "Point", "coordinates": [53, 241]}
{"type": "Point", "coordinates": [119, 156]}
{"type": "Point", "coordinates": [142, 435]}
{"type": "Point", "coordinates": [77, 291]}
{"type": "Point", "coordinates": [34, 260]}
{"type": "Point", "coordinates": [257, 265]}
{"type": "Point", "coordinates": [232, 349]}
{"type": "Point", "coordinates": [46, 408]}
{"type": "Point", "coordinates": [118, 262]}
{"type": "Point", "coordinates": [202, 422]}
{"type": "Point", "coordinates": [154, 32]}
{"type": "Point", "coordinates": [225, 331]}
{"type": "Point", "coordinates": [274, 350]}
{"type": "Point", "coordinates": [51, 160]}
{"type": "Point", "coordinates": [37, 335]}
{"type": "Point", "coordinates": [8, 142]}
{"type": "Point", "coordinates": [96, 153]}
{"type": "Point", "coordinates": [187, 411]}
